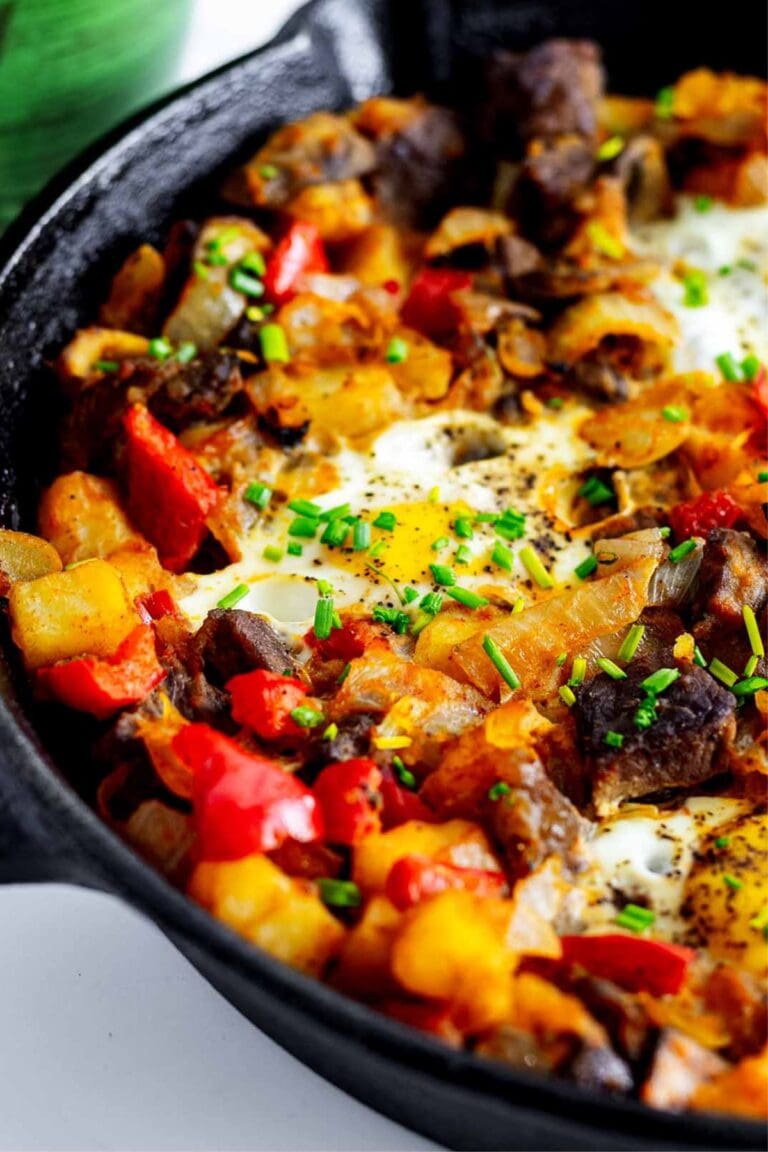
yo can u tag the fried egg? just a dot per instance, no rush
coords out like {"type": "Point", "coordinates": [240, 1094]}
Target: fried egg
{"type": "Point", "coordinates": [699, 868]}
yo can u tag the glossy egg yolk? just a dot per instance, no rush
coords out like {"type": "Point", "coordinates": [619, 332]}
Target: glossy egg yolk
{"type": "Point", "coordinates": [727, 893]}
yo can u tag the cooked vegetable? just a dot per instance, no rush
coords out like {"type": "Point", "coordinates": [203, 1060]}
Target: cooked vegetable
{"type": "Point", "coordinates": [25, 557]}
{"type": "Point", "coordinates": [631, 961]}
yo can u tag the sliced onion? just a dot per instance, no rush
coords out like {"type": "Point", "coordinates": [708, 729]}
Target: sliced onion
{"type": "Point", "coordinates": [620, 552]}
{"type": "Point", "coordinates": [671, 583]}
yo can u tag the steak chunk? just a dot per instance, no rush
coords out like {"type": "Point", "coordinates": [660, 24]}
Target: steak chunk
{"type": "Point", "coordinates": [181, 394]}
{"type": "Point", "coordinates": [694, 721]}
{"type": "Point", "coordinates": [232, 641]}
{"type": "Point", "coordinates": [553, 175]}
{"type": "Point", "coordinates": [733, 573]}
{"type": "Point", "coordinates": [558, 85]}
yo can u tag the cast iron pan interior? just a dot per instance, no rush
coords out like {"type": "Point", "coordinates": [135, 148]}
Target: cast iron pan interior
{"type": "Point", "coordinates": [54, 265]}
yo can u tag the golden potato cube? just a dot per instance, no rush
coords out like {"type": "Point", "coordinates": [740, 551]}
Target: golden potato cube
{"type": "Point", "coordinates": [64, 614]}
{"type": "Point", "coordinates": [82, 517]}
{"type": "Point", "coordinates": [458, 841]}
{"type": "Point", "coordinates": [274, 911]}
{"type": "Point", "coordinates": [363, 968]}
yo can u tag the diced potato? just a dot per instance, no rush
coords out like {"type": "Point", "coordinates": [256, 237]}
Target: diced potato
{"type": "Point", "coordinates": [357, 402]}
{"type": "Point", "coordinates": [426, 371]}
{"type": "Point", "coordinates": [65, 614]}
{"type": "Point", "coordinates": [79, 360]}
{"type": "Point", "coordinates": [24, 557]}
{"type": "Point", "coordinates": [275, 912]}
{"type": "Point", "coordinates": [453, 948]}
{"type": "Point", "coordinates": [141, 571]}
{"type": "Point", "coordinates": [456, 841]}
{"type": "Point", "coordinates": [82, 517]}
{"type": "Point", "coordinates": [135, 290]}
{"type": "Point", "coordinates": [363, 966]}
{"type": "Point", "coordinates": [340, 210]}
{"type": "Point", "coordinates": [380, 254]}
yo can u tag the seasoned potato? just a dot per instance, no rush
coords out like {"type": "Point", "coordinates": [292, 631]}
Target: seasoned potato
{"type": "Point", "coordinates": [24, 557]}
{"type": "Point", "coordinates": [79, 361]}
{"type": "Point", "coordinates": [340, 211]}
{"type": "Point", "coordinates": [363, 966]}
{"type": "Point", "coordinates": [274, 911]}
{"type": "Point", "coordinates": [135, 291]}
{"type": "Point", "coordinates": [64, 614]}
{"type": "Point", "coordinates": [380, 254]}
{"type": "Point", "coordinates": [456, 841]}
{"type": "Point", "coordinates": [82, 517]}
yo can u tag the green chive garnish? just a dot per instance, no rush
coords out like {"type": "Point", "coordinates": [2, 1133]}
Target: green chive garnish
{"type": "Point", "coordinates": [610, 148]}
{"type": "Point", "coordinates": [294, 548]}
{"type": "Point", "coordinates": [409, 595]}
{"type": "Point", "coordinates": [762, 477]}
{"type": "Point", "coordinates": [635, 918]}
{"type": "Point", "coordinates": [726, 362]}
{"type": "Point", "coordinates": [631, 642]}
{"type": "Point", "coordinates": [500, 662]}
{"type": "Point", "coordinates": [674, 413]}
{"type": "Point", "coordinates": [244, 282]}
{"type": "Point", "coordinates": [753, 631]}
{"type": "Point", "coordinates": [501, 556]}
{"type": "Point", "coordinates": [586, 568]}
{"type": "Point", "coordinates": [681, 551]}
{"type": "Point", "coordinates": [274, 345]}
{"type": "Point", "coordinates": [467, 598]}
{"type": "Point", "coordinates": [397, 351]}
{"type": "Point", "coordinates": [440, 543]}
{"type": "Point", "coordinates": [253, 262]}
{"type": "Point", "coordinates": [696, 289]}
{"type": "Point", "coordinates": [335, 534]}
{"type": "Point", "coordinates": [463, 528]}
{"type": "Point", "coordinates": [534, 567]}
{"type": "Point", "coordinates": [613, 739]}
{"type": "Point", "coordinates": [331, 732]}
{"type": "Point", "coordinates": [750, 366]}
{"type": "Point", "coordinates": [610, 669]}
{"type": "Point", "coordinates": [722, 842]}
{"type": "Point", "coordinates": [107, 365]}
{"type": "Point", "coordinates": [305, 508]}
{"type": "Point", "coordinates": [595, 492]}
{"type": "Point", "coordinates": [185, 352]}
{"type": "Point", "coordinates": [341, 511]}
{"type": "Point", "coordinates": [431, 603]}
{"type": "Point", "coordinates": [258, 494]}
{"type": "Point", "coordinates": [510, 525]}
{"type": "Point", "coordinates": [339, 893]}
{"type": "Point", "coordinates": [442, 574]}
{"type": "Point", "coordinates": [698, 657]}
{"type": "Point", "coordinates": [722, 672]}
{"type": "Point", "coordinates": [361, 536]}
{"type": "Point", "coordinates": [404, 775]}
{"type": "Point", "coordinates": [498, 790]}
{"type": "Point", "coordinates": [665, 103]}
{"type": "Point", "coordinates": [273, 553]}
{"type": "Point", "coordinates": [567, 695]}
{"type": "Point", "coordinates": [463, 554]}
{"type": "Point", "coordinates": [386, 520]}
{"type": "Point", "coordinates": [578, 671]}
{"type": "Point", "coordinates": [703, 203]}
{"type": "Point", "coordinates": [238, 593]}
{"type": "Point", "coordinates": [749, 686]}
{"type": "Point", "coordinates": [561, 659]}
{"type": "Point", "coordinates": [660, 680]}
{"type": "Point", "coordinates": [303, 526]}
{"type": "Point", "coordinates": [732, 881]}
{"type": "Point", "coordinates": [160, 348]}
{"type": "Point", "coordinates": [751, 665]}
{"type": "Point", "coordinates": [323, 618]}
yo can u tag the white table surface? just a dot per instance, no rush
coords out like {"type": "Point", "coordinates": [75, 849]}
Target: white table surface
{"type": "Point", "coordinates": [109, 1039]}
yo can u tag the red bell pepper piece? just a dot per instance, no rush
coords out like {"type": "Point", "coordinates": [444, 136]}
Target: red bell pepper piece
{"type": "Point", "coordinates": [760, 390]}
{"type": "Point", "coordinates": [263, 701]}
{"type": "Point", "coordinates": [243, 802]}
{"type": "Point", "coordinates": [416, 878]}
{"type": "Point", "coordinates": [632, 962]}
{"type": "Point", "coordinates": [102, 686]}
{"type": "Point", "coordinates": [429, 306]}
{"type": "Point", "coordinates": [169, 493]}
{"type": "Point", "coordinates": [709, 510]}
{"type": "Point", "coordinates": [299, 251]}
{"type": "Point", "coordinates": [349, 795]}
{"type": "Point", "coordinates": [399, 804]}
{"type": "Point", "coordinates": [155, 605]}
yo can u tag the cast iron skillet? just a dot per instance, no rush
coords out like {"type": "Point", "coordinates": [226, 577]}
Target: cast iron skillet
{"type": "Point", "coordinates": [54, 265]}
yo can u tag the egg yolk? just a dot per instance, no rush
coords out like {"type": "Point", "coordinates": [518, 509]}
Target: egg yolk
{"type": "Point", "coordinates": [727, 894]}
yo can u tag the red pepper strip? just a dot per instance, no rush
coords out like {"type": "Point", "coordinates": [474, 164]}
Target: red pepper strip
{"type": "Point", "coordinates": [102, 686]}
{"type": "Point", "coordinates": [632, 962]}
{"type": "Point", "coordinates": [263, 701]}
{"type": "Point", "coordinates": [429, 306]}
{"type": "Point", "coordinates": [399, 804]}
{"type": "Point", "coordinates": [169, 493]}
{"type": "Point", "coordinates": [155, 605]}
{"type": "Point", "coordinates": [349, 795]}
{"type": "Point", "coordinates": [347, 642]}
{"type": "Point", "coordinates": [299, 251]}
{"type": "Point", "coordinates": [243, 802]}
{"type": "Point", "coordinates": [760, 390]}
{"type": "Point", "coordinates": [709, 510]}
{"type": "Point", "coordinates": [416, 878]}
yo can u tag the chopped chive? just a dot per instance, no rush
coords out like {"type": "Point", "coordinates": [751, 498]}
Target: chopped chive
{"type": "Point", "coordinates": [722, 842]}
{"type": "Point", "coordinates": [463, 554]}
{"type": "Point", "coordinates": [201, 270]}
{"type": "Point", "coordinates": [486, 518]}
{"type": "Point", "coordinates": [534, 567]}
{"type": "Point", "coordinates": [440, 543]}
{"type": "Point", "coordinates": [703, 203]}
{"type": "Point", "coordinates": [274, 345]}
{"type": "Point", "coordinates": [610, 669]}
{"type": "Point", "coordinates": [762, 477]}
{"type": "Point", "coordinates": [344, 673]}
{"type": "Point", "coordinates": [254, 262]}
{"type": "Point", "coordinates": [397, 351]}
{"type": "Point", "coordinates": [645, 713]}
{"type": "Point", "coordinates": [335, 534]}
{"type": "Point", "coordinates": [561, 659]}
{"type": "Point", "coordinates": [578, 671]}
{"type": "Point", "coordinates": [753, 631]}
{"type": "Point", "coordinates": [500, 662]}
{"type": "Point", "coordinates": [604, 241]}
{"type": "Point", "coordinates": [463, 528]}
{"type": "Point", "coordinates": [377, 549]}
{"type": "Point", "coordinates": [431, 603]}
{"type": "Point", "coordinates": [750, 366]}
{"type": "Point", "coordinates": [555, 402]}
{"type": "Point", "coordinates": [244, 282]}
{"type": "Point", "coordinates": [631, 642]}
{"type": "Point", "coordinates": [323, 618]}
{"type": "Point", "coordinates": [674, 413]}
{"type": "Point", "coordinates": [732, 881]}
{"type": "Point", "coordinates": [467, 598]}
{"type": "Point", "coordinates": [749, 686]}
{"type": "Point", "coordinates": [238, 593]}
{"type": "Point", "coordinates": [305, 508]}
{"type": "Point", "coordinates": [498, 790]}
{"type": "Point", "coordinates": [403, 774]}
{"type": "Point", "coordinates": [398, 621]}
{"type": "Point", "coordinates": [751, 664]}
{"type": "Point", "coordinates": [339, 893]}
{"type": "Point", "coordinates": [268, 172]}
{"type": "Point", "coordinates": [681, 551]}
{"type": "Point", "coordinates": [613, 739]}
{"type": "Point", "coordinates": [273, 553]}
{"type": "Point", "coordinates": [510, 525]}
{"type": "Point", "coordinates": [420, 622]}
{"type": "Point", "coordinates": [294, 548]}
{"type": "Point", "coordinates": [258, 494]}
{"type": "Point", "coordinates": [442, 574]}
{"type": "Point", "coordinates": [722, 672]}
{"type": "Point", "coordinates": [698, 657]}
{"type": "Point", "coordinates": [433, 495]}
{"type": "Point", "coordinates": [409, 595]}
{"type": "Point", "coordinates": [331, 732]}
{"type": "Point", "coordinates": [635, 918]}
{"type": "Point", "coordinates": [660, 680]}
{"type": "Point", "coordinates": [185, 352]}
{"type": "Point", "coordinates": [610, 148]}
{"type": "Point", "coordinates": [724, 270]}
{"type": "Point", "coordinates": [160, 348]}
{"type": "Point", "coordinates": [502, 556]}
{"type": "Point", "coordinates": [726, 362]}
{"type": "Point", "coordinates": [361, 536]}
{"type": "Point", "coordinates": [303, 526]}
{"type": "Point", "coordinates": [567, 695]}
{"type": "Point", "coordinates": [386, 520]}
{"type": "Point", "coordinates": [665, 532]}
{"type": "Point", "coordinates": [254, 313]}
{"type": "Point", "coordinates": [338, 513]}
{"type": "Point", "coordinates": [747, 265]}
{"type": "Point", "coordinates": [586, 568]}
{"type": "Point", "coordinates": [518, 605]}
{"type": "Point", "coordinates": [664, 106]}
{"type": "Point", "coordinates": [696, 289]}
{"type": "Point", "coordinates": [335, 620]}
{"type": "Point", "coordinates": [596, 492]}
{"type": "Point", "coordinates": [107, 365]}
